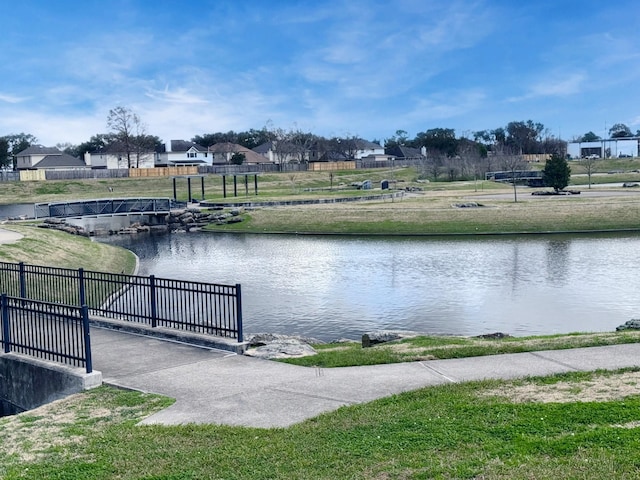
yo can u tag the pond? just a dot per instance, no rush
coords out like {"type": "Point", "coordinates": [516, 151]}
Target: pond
{"type": "Point", "coordinates": [331, 287]}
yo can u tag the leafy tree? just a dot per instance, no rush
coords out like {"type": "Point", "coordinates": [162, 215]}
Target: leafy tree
{"type": "Point", "coordinates": [238, 158]}
{"type": "Point", "coordinates": [11, 145]}
{"type": "Point", "coordinates": [441, 140]}
{"type": "Point", "coordinates": [5, 158]}
{"type": "Point", "coordinates": [400, 138]}
{"type": "Point", "coordinates": [620, 130]}
{"type": "Point", "coordinates": [556, 172]}
{"type": "Point", "coordinates": [524, 136]}
{"type": "Point", "coordinates": [96, 143]}
{"type": "Point", "coordinates": [590, 137]}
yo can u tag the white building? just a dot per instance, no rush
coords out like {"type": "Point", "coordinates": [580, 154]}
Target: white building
{"type": "Point", "coordinates": [183, 153]}
{"type": "Point", "coordinates": [609, 148]}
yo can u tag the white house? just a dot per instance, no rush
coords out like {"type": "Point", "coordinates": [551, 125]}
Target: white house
{"type": "Point", "coordinates": [115, 156]}
{"type": "Point", "coordinates": [365, 148]}
{"type": "Point", "coordinates": [183, 153]}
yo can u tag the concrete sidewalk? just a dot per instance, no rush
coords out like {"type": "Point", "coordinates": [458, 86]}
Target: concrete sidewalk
{"type": "Point", "coordinates": [214, 386]}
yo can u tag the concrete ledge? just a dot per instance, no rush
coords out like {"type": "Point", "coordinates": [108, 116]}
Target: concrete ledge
{"type": "Point", "coordinates": [29, 382]}
{"type": "Point", "coordinates": [199, 339]}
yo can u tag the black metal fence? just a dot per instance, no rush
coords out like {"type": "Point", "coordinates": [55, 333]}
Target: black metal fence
{"type": "Point", "coordinates": [50, 331]}
{"type": "Point", "coordinates": [157, 302]}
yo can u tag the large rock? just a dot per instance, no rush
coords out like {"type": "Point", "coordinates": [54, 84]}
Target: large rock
{"type": "Point", "coordinates": [370, 339]}
{"type": "Point", "coordinates": [287, 348]}
{"type": "Point", "coordinates": [633, 324]}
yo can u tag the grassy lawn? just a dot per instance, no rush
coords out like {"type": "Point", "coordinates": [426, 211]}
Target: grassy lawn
{"type": "Point", "coordinates": [582, 425]}
{"type": "Point", "coordinates": [437, 213]}
{"type": "Point", "coordinates": [419, 348]}
{"type": "Point", "coordinates": [57, 249]}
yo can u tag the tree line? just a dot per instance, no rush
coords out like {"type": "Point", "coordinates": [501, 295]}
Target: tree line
{"type": "Point", "coordinates": [128, 135]}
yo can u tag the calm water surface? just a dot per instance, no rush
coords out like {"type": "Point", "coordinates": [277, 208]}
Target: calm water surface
{"type": "Point", "coordinates": [332, 287]}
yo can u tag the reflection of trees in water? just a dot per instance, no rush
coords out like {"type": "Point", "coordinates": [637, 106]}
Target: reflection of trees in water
{"type": "Point", "coordinates": [558, 260]}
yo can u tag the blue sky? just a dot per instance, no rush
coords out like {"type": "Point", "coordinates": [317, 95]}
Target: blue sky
{"type": "Point", "coordinates": [352, 67]}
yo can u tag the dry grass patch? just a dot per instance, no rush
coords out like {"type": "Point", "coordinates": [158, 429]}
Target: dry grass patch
{"type": "Point", "coordinates": [600, 388]}
{"type": "Point", "coordinates": [40, 433]}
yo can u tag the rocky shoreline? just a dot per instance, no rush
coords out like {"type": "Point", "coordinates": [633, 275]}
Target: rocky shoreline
{"type": "Point", "coordinates": [178, 221]}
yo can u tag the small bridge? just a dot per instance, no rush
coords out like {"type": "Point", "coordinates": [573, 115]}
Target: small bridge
{"type": "Point", "coordinates": [532, 178]}
{"type": "Point", "coordinates": [104, 207]}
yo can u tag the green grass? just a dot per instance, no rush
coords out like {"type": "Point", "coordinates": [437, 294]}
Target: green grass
{"type": "Point", "coordinates": [431, 348]}
{"type": "Point", "coordinates": [41, 246]}
{"type": "Point", "coordinates": [471, 430]}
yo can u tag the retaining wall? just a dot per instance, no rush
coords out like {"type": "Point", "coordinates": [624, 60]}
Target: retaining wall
{"type": "Point", "coordinates": [28, 383]}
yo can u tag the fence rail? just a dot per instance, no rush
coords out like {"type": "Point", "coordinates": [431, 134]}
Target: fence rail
{"type": "Point", "coordinates": [113, 206]}
{"type": "Point", "coordinates": [50, 331]}
{"type": "Point", "coordinates": [157, 302]}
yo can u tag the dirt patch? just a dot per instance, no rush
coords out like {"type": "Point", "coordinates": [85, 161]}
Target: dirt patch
{"type": "Point", "coordinates": [600, 388]}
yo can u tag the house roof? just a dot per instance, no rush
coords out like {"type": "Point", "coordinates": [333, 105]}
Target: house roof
{"type": "Point", "coordinates": [184, 146]}
{"type": "Point", "coordinates": [367, 145]}
{"type": "Point", "coordinates": [264, 148]}
{"type": "Point", "coordinates": [228, 147]}
{"type": "Point", "coordinates": [39, 150]}
{"type": "Point", "coordinates": [59, 160]}
{"type": "Point", "coordinates": [401, 151]}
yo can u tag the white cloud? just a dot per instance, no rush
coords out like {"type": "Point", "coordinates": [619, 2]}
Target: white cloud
{"type": "Point", "coordinates": [7, 98]}
{"type": "Point", "coordinates": [560, 86]}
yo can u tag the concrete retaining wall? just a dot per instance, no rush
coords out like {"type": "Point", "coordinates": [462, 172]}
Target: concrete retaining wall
{"type": "Point", "coordinates": [29, 383]}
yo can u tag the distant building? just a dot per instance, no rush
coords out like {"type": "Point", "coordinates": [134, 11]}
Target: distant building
{"type": "Point", "coordinates": [37, 157]}
{"type": "Point", "coordinates": [221, 154]}
{"type": "Point", "coordinates": [183, 153]}
{"type": "Point", "coordinates": [609, 148]}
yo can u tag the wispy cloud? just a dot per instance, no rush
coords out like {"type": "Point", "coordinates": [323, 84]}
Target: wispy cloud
{"type": "Point", "coordinates": [558, 86]}
{"type": "Point", "coordinates": [7, 98]}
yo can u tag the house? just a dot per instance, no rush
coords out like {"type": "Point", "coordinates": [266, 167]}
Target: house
{"type": "Point", "coordinates": [281, 152]}
{"type": "Point", "coordinates": [37, 157]}
{"type": "Point", "coordinates": [365, 148]}
{"type": "Point", "coordinates": [183, 153]}
{"type": "Point", "coordinates": [115, 156]}
{"type": "Point", "coordinates": [341, 149]}
{"type": "Point", "coordinates": [400, 152]}
{"type": "Point", "coordinates": [221, 154]}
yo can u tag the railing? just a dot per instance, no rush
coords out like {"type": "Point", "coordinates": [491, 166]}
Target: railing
{"type": "Point", "coordinates": [50, 331]}
{"type": "Point", "coordinates": [158, 302]}
{"type": "Point", "coordinates": [118, 206]}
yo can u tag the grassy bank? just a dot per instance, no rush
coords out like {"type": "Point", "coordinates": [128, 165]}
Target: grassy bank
{"type": "Point", "coordinates": [439, 213]}
{"type": "Point", "coordinates": [581, 425]}
{"type": "Point", "coordinates": [57, 249]}
{"type": "Point", "coordinates": [420, 348]}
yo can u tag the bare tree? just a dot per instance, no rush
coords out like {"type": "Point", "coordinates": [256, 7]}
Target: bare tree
{"type": "Point", "coordinates": [127, 128]}
{"type": "Point", "coordinates": [589, 164]}
{"type": "Point", "coordinates": [511, 162]}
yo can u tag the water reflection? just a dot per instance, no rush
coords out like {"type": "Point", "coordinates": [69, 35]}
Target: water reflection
{"type": "Point", "coordinates": [330, 287]}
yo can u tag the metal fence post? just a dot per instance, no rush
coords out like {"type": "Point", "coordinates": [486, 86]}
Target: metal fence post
{"type": "Point", "coordinates": [87, 338]}
{"type": "Point", "coordinates": [239, 311]}
{"type": "Point", "coordinates": [152, 299]}
{"type": "Point", "coordinates": [23, 283]}
{"type": "Point", "coordinates": [82, 292]}
{"type": "Point", "coordinates": [5, 324]}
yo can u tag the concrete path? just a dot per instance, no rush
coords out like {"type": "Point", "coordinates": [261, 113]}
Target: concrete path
{"type": "Point", "coordinates": [213, 386]}
{"type": "Point", "coordinates": [7, 236]}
